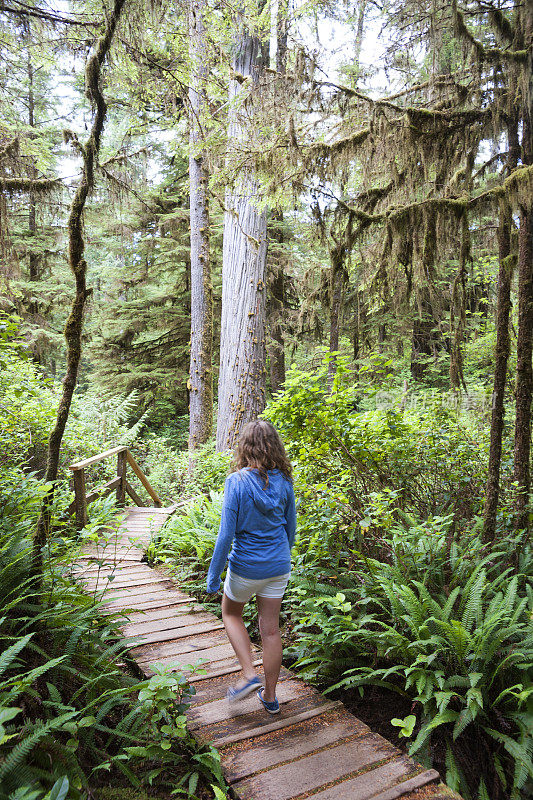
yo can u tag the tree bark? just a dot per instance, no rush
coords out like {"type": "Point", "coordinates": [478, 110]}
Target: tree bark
{"type": "Point", "coordinates": [500, 371]}
{"type": "Point", "coordinates": [275, 306]}
{"type": "Point", "coordinates": [336, 295]}
{"type": "Point", "coordinates": [78, 266]}
{"type": "Point", "coordinates": [424, 339]}
{"type": "Point", "coordinates": [32, 208]}
{"type": "Point", "coordinates": [524, 375]}
{"type": "Point", "coordinates": [201, 368]}
{"type": "Point", "coordinates": [241, 388]}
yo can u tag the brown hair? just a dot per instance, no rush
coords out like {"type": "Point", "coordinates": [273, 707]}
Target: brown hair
{"type": "Point", "coordinates": [261, 448]}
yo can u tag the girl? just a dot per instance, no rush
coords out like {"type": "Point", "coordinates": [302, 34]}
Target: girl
{"type": "Point", "coordinates": [259, 517]}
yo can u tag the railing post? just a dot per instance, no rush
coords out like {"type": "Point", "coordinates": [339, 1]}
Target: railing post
{"type": "Point", "coordinates": [121, 473]}
{"type": "Point", "coordinates": [80, 498]}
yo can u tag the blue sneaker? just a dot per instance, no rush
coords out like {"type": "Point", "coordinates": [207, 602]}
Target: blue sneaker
{"type": "Point", "coordinates": [273, 707]}
{"type": "Point", "coordinates": [235, 694]}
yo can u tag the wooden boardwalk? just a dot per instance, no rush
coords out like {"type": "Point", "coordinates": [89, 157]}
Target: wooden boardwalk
{"type": "Point", "coordinates": [313, 748]}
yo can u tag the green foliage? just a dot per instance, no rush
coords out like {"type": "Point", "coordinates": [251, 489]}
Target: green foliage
{"type": "Point", "coordinates": [71, 712]}
{"type": "Point", "coordinates": [188, 539]}
{"type": "Point", "coordinates": [26, 406]}
{"type": "Point", "coordinates": [422, 454]}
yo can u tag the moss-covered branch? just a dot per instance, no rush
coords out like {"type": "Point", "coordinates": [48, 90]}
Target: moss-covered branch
{"type": "Point", "coordinates": [38, 186]}
{"type": "Point", "coordinates": [486, 53]}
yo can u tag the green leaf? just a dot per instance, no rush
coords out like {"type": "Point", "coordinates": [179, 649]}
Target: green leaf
{"type": "Point", "coordinates": [59, 790]}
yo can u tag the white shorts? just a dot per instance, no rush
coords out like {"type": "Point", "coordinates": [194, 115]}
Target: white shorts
{"type": "Point", "coordinates": [242, 589]}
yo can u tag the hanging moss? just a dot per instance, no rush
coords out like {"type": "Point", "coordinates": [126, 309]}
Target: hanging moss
{"type": "Point", "coordinates": [519, 187]}
{"type": "Point", "coordinates": [40, 186]}
{"type": "Point", "coordinates": [10, 150]}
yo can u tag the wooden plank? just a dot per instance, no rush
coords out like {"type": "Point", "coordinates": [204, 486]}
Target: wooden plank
{"type": "Point", "coordinates": [118, 563]}
{"type": "Point", "coordinates": [82, 464]}
{"type": "Point", "coordinates": [227, 667]}
{"type": "Point", "coordinates": [132, 493]}
{"type": "Point", "coordinates": [174, 622]}
{"type": "Point", "coordinates": [139, 513]}
{"type": "Point", "coordinates": [144, 480]}
{"type": "Point", "coordinates": [155, 614]}
{"type": "Point", "coordinates": [138, 593]}
{"type": "Point", "coordinates": [180, 656]}
{"type": "Point", "coordinates": [111, 551]}
{"type": "Point", "coordinates": [129, 570]}
{"type": "Point", "coordinates": [177, 633]}
{"type": "Point", "coordinates": [146, 584]}
{"type": "Point", "coordinates": [102, 491]}
{"type": "Point", "coordinates": [411, 785]}
{"type": "Point", "coordinates": [214, 688]}
{"type": "Point", "coordinates": [184, 643]}
{"type": "Point", "coordinates": [259, 723]}
{"type": "Point", "coordinates": [121, 474]}
{"type": "Point", "coordinates": [287, 744]}
{"type": "Point", "coordinates": [313, 771]}
{"type": "Point", "coordinates": [219, 710]}
{"type": "Point", "coordinates": [131, 558]}
{"type": "Point", "coordinates": [137, 572]}
{"type": "Point", "coordinates": [145, 605]}
{"type": "Point", "coordinates": [365, 786]}
{"type": "Point", "coordinates": [80, 502]}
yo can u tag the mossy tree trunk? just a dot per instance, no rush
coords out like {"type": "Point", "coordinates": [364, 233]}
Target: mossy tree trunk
{"type": "Point", "coordinates": [78, 265]}
{"type": "Point", "coordinates": [276, 304]}
{"type": "Point", "coordinates": [524, 373]}
{"type": "Point", "coordinates": [277, 261]}
{"type": "Point", "coordinates": [422, 344]}
{"type": "Point", "coordinates": [201, 368]}
{"type": "Point", "coordinates": [33, 257]}
{"type": "Point", "coordinates": [242, 377]}
{"type": "Point", "coordinates": [337, 285]}
{"type": "Point", "coordinates": [503, 310]}
{"type": "Point", "coordinates": [500, 371]}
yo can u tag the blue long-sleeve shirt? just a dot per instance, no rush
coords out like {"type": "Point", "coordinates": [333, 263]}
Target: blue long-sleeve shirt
{"type": "Point", "coordinates": [260, 522]}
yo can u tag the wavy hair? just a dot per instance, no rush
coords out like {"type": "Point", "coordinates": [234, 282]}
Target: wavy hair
{"type": "Point", "coordinates": [261, 448]}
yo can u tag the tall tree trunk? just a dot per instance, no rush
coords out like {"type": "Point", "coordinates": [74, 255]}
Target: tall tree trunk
{"type": "Point", "coordinates": [524, 375]}
{"type": "Point", "coordinates": [201, 368]}
{"type": "Point", "coordinates": [78, 266]}
{"type": "Point", "coordinates": [356, 327]}
{"type": "Point", "coordinates": [358, 44]}
{"type": "Point", "coordinates": [282, 30]}
{"type": "Point", "coordinates": [336, 298]}
{"type": "Point", "coordinates": [241, 387]}
{"type": "Point", "coordinates": [500, 372]}
{"type": "Point", "coordinates": [275, 305]}
{"type": "Point", "coordinates": [32, 208]}
{"type": "Point", "coordinates": [503, 310]}
{"type": "Point", "coordinates": [422, 339]}
{"type": "Point", "coordinates": [277, 260]}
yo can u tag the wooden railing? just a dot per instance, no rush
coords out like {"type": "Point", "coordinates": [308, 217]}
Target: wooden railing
{"type": "Point", "coordinates": [120, 484]}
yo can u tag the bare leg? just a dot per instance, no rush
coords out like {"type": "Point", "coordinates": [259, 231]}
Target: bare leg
{"type": "Point", "coordinates": [238, 635]}
{"type": "Point", "coordinates": [269, 608]}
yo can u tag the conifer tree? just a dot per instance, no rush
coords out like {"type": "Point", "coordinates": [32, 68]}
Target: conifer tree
{"type": "Point", "coordinates": [242, 384]}
{"type": "Point", "coordinates": [201, 369]}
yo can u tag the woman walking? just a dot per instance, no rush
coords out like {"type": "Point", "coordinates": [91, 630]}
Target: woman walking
{"type": "Point", "coordinates": [259, 518]}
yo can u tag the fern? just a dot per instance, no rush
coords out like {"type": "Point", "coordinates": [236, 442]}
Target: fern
{"type": "Point", "coordinates": [24, 748]}
{"type": "Point", "coordinates": [8, 656]}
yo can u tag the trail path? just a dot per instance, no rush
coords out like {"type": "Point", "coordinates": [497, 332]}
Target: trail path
{"type": "Point", "coordinates": [313, 748]}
